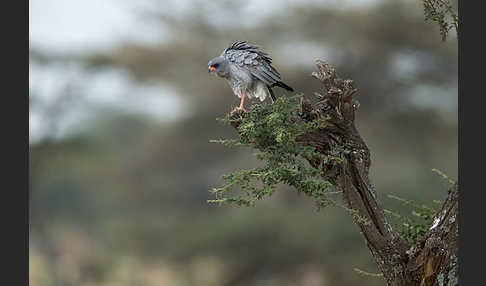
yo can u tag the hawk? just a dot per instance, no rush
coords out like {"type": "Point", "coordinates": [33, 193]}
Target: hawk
{"type": "Point", "coordinates": [248, 71]}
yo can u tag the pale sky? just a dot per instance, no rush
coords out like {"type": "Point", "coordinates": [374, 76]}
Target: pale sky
{"type": "Point", "coordinates": [75, 25]}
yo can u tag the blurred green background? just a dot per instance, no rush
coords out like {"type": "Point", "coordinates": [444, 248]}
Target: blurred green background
{"type": "Point", "coordinates": [122, 110]}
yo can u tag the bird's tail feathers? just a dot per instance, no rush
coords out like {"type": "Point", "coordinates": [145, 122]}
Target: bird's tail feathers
{"type": "Point", "coordinates": [283, 85]}
{"type": "Point", "coordinates": [272, 95]}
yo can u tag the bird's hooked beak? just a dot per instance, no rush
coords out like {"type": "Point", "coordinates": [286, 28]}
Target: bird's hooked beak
{"type": "Point", "coordinates": [211, 69]}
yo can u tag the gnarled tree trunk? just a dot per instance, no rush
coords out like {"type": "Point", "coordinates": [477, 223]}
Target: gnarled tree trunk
{"type": "Point", "coordinates": [433, 259]}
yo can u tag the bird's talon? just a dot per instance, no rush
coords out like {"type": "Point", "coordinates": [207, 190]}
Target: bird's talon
{"type": "Point", "coordinates": [237, 108]}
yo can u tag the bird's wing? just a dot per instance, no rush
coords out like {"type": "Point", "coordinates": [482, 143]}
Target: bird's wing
{"type": "Point", "coordinates": [257, 62]}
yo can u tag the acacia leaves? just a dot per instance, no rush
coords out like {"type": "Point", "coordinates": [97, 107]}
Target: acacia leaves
{"type": "Point", "coordinates": [441, 12]}
{"type": "Point", "coordinates": [273, 130]}
{"type": "Point", "coordinates": [408, 227]}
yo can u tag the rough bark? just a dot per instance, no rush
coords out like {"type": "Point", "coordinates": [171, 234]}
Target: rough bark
{"type": "Point", "coordinates": [433, 259]}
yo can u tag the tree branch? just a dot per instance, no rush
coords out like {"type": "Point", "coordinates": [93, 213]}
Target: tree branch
{"type": "Point", "coordinates": [433, 257]}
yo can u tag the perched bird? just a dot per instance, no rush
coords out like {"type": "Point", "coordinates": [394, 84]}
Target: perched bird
{"type": "Point", "coordinates": [248, 71]}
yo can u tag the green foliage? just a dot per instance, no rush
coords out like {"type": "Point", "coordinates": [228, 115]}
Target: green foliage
{"type": "Point", "coordinates": [441, 12]}
{"type": "Point", "coordinates": [271, 129]}
{"type": "Point", "coordinates": [444, 176]}
{"type": "Point", "coordinates": [365, 273]}
{"type": "Point", "coordinates": [356, 216]}
{"type": "Point", "coordinates": [412, 227]}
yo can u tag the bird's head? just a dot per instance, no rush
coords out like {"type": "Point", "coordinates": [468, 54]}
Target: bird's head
{"type": "Point", "coordinates": [219, 66]}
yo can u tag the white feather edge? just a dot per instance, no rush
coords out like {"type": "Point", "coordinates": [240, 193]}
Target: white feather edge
{"type": "Point", "coordinates": [260, 91]}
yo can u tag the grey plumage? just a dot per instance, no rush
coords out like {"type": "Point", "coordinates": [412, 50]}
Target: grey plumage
{"type": "Point", "coordinates": [247, 70]}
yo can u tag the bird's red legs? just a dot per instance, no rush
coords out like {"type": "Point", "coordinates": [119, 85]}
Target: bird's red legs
{"type": "Point", "coordinates": [242, 102]}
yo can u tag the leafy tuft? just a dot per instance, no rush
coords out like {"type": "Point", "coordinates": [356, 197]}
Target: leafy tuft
{"type": "Point", "coordinates": [441, 12]}
{"type": "Point", "coordinates": [412, 227]}
{"type": "Point", "coordinates": [273, 131]}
